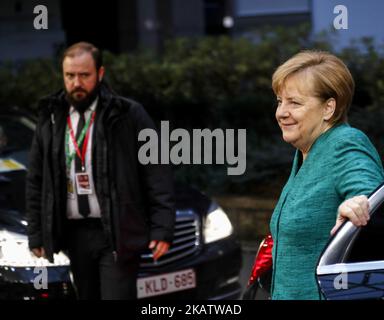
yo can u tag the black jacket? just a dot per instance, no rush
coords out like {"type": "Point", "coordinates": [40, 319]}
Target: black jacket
{"type": "Point", "coordinates": [136, 201]}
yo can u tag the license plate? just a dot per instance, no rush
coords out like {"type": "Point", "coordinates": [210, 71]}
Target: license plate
{"type": "Point", "coordinates": [166, 283]}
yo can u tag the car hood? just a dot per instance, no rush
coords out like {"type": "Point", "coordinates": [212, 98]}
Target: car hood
{"type": "Point", "coordinates": [188, 198]}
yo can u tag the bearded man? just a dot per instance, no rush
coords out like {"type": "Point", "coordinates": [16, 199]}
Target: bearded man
{"type": "Point", "coordinates": [87, 193]}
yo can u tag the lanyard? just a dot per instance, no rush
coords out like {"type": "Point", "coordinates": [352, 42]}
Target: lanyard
{"type": "Point", "coordinates": [84, 133]}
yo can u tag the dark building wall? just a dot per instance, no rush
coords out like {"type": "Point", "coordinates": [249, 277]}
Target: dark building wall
{"type": "Point", "coordinates": [127, 25]}
{"type": "Point", "coordinates": [160, 20]}
{"type": "Point", "coordinates": [115, 25]}
{"type": "Point", "coordinates": [19, 39]}
{"type": "Point", "coordinates": [188, 18]}
{"type": "Point", "coordinates": [98, 25]}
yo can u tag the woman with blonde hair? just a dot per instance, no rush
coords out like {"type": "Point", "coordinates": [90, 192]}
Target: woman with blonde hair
{"type": "Point", "coordinates": [334, 169]}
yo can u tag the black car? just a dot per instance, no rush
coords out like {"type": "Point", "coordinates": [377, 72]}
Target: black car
{"type": "Point", "coordinates": [203, 242]}
{"type": "Point", "coordinates": [351, 266]}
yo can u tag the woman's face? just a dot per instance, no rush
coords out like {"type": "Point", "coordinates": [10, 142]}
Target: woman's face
{"type": "Point", "coordinates": [301, 116]}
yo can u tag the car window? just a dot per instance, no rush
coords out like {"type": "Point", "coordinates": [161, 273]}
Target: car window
{"type": "Point", "coordinates": [368, 245]}
{"type": "Point", "coordinates": [16, 133]}
{"type": "Point", "coordinates": [12, 221]}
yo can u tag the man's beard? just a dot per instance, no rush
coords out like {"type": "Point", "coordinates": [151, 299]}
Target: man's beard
{"type": "Point", "coordinates": [84, 103]}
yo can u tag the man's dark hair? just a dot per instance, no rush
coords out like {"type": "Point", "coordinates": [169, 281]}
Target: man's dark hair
{"type": "Point", "coordinates": [81, 47]}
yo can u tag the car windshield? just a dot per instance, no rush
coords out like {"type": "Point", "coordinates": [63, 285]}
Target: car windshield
{"type": "Point", "coordinates": [12, 220]}
{"type": "Point", "coordinates": [16, 133]}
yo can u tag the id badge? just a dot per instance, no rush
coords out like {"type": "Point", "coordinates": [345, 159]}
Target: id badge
{"type": "Point", "coordinates": [83, 184]}
{"type": "Point", "coordinates": [70, 189]}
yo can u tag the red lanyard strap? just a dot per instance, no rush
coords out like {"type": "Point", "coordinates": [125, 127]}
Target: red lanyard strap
{"type": "Point", "coordinates": [86, 132]}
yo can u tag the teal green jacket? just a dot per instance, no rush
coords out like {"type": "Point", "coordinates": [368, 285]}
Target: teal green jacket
{"type": "Point", "coordinates": [341, 163]}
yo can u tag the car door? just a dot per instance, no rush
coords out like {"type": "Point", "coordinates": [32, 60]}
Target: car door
{"type": "Point", "coordinates": [351, 266]}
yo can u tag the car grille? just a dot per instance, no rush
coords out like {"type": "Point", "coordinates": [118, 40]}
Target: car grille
{"type": "Point", "coordinates": [185, 243]}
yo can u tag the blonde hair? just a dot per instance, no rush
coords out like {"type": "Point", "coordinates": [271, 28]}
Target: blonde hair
{"type": "Point", "coordinates": [329, 78]}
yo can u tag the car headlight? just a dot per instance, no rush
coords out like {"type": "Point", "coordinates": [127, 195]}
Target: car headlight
{"type": "Point", "coordinates": [14, 251]}
{"type": "Point", "coordinates": [217, 225]}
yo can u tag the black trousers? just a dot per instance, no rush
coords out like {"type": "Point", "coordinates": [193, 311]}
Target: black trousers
{"type": "Point", "coordinates": [96, 273]}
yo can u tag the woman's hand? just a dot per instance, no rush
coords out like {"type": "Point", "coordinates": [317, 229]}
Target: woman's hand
{"type": "Point", "coordinates": [355, 209]}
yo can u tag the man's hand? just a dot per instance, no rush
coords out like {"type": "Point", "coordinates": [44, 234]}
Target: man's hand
{"type": "Point", "coordinates": [355, 209]}
{"type": "Point", "coordinates": [39, 252]}
{"type": "Point", "coordinates": [158, 248]}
